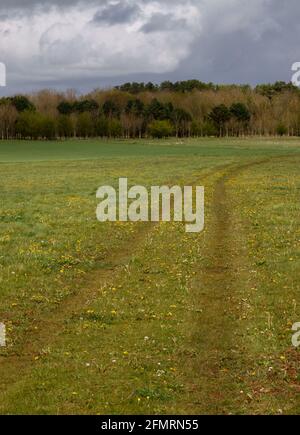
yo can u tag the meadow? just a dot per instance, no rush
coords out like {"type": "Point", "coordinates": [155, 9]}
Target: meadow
{"type": "Point", "coordinates": [141, 318]}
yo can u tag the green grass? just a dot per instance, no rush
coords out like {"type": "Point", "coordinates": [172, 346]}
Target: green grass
{"type": "Point", "coordinates": [136, 318]}
{"type": "Point", "coordinates": [28, 151]}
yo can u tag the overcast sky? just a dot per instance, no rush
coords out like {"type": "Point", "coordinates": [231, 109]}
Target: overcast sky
{"type": "Point", "coordinates": [92, 43]}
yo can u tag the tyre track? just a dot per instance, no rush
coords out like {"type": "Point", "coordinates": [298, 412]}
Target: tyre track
{"type": "Point", "coordinates": [213, 385]}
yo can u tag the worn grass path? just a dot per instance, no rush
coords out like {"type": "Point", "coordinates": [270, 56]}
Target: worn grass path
{"type": "Point", "coordinates": [221, 282]}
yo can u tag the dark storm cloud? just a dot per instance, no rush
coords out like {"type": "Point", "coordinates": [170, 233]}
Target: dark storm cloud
{"type": "Point", "coordinates": [116, 13]}
{"type": "Point", "coordinates": [263, 52]}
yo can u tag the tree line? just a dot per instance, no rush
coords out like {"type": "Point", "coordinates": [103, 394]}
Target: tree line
{"type": "Point", "coordinates": [136, 110]}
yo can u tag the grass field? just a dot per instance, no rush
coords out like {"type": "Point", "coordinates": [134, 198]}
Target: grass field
{"type": "Point", "coordinates": [144, 318]}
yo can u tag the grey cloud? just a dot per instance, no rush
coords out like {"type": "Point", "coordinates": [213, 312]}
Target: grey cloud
{"type": "Point", "coordinates": [240, 41]}
{"type": "Point", "coordinates": [240, 56]}
{"type": "Point", "coordinates": [27, 7]}
{"type": "Point", "coordinates": [163, 22]}
{"type": "Point", "coordinates": [117, 13]}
